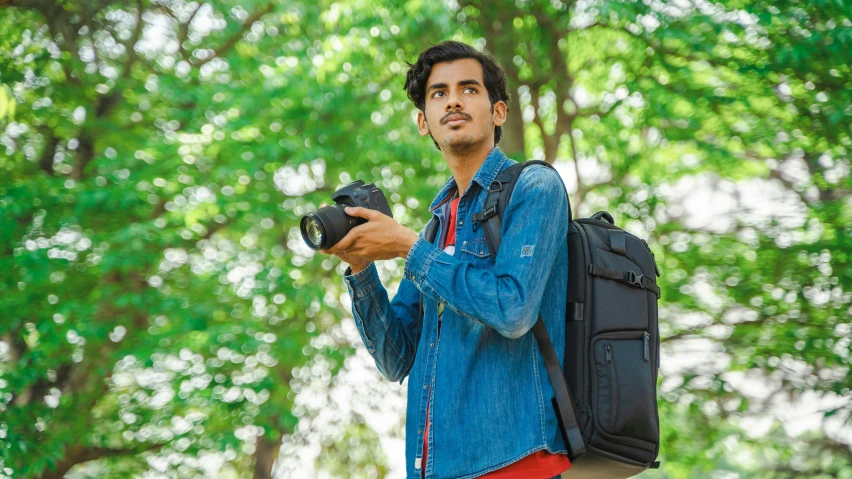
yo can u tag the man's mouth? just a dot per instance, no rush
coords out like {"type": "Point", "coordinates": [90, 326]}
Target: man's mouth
{"type": "Point", "coordinates": [455, 119]}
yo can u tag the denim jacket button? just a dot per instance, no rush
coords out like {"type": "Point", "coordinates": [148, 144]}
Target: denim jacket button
{"type": "Point", "coordinates": [424, 387]}
{"type": "Point", "coordinates": [432, 345]}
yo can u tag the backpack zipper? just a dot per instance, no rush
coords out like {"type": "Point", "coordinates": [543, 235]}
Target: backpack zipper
{"type": "Point", "coordinates": [645, 339]}
{"type": "Point", "coordinates": [608, 354]}
{"type": "Point", "coordinates": [607, 225]}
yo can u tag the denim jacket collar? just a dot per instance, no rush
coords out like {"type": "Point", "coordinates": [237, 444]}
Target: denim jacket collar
{"type": "Point", "coordinates": [490, 168]}
{"type": "Point", "coordinates": [492, 165]}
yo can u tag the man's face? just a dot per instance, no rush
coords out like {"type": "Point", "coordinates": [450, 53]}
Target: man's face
{"type": "Point", "coordinates": [458, 112]}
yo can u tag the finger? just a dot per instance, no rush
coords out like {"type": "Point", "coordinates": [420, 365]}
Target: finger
{"type": "Point", "coordinates": [334, 249]}
{"type": "Point", "coordinates": [344, 244]}
{"type": "Point", "coordinates": [360, 212]}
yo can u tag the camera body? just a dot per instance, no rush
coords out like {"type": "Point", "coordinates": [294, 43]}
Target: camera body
{"type": "Point", "coordinates": [364, 195]}
{"type": "Point", "coordinates": [326, 226]}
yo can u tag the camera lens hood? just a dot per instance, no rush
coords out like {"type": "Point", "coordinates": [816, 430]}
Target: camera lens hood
{"type": "Point", "coordinates": [326, 226]}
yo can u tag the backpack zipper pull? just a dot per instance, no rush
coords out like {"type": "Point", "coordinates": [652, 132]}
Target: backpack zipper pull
{"type": "Point", "coordinates": [646, 338]}
{"type": "Point", "coordinates": [608, 354]}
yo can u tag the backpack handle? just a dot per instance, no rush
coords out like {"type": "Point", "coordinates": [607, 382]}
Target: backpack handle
{"type": "Point", "coordinates": [603, 216]}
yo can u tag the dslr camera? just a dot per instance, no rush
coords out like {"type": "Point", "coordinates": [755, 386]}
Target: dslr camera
{"type": "Point", "coordinates": [326, 226]}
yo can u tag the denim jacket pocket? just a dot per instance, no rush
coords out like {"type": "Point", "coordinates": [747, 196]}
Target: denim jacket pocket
{"type": "Point", "coordinates": [477, 248]}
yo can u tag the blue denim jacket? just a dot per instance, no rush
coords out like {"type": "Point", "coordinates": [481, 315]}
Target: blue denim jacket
{"type": "Point", "coordinates": [490, 396]}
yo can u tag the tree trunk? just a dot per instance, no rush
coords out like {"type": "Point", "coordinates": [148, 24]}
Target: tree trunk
{"type": "Point", "coordinates": [512, 142]}
{"type": "Point", "coordinates": [496, 25]}
{"type": "Point", "coordinates": [74, 454]}
{"type": "Point", "coordinates": [264, 457]}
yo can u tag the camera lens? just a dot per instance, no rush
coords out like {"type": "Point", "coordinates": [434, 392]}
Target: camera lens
{"type": "Point", "coordinates": [326, 226]}
{"type": "Point", "coordinates": [312, 231]}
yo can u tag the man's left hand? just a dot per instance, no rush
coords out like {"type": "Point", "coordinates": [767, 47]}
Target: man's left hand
{"type": "Point", "coordinates": [381, 237]}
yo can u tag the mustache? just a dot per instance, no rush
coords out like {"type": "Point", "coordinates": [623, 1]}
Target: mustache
{"type": "Point", "coordinates": [459, 113]}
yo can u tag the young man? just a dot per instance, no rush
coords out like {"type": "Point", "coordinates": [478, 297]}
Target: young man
{"type": "Point", "coordinates": [479, 398]}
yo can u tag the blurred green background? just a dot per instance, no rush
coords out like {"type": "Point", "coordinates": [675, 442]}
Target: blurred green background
{"type": "Point", "coordinates": [161, 317]}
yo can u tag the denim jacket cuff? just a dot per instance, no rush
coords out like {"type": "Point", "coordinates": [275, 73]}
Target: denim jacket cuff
{"type": "Point", "coordinates": [363, 282]}
{"type": "Point", "coordinates": [418, 261]}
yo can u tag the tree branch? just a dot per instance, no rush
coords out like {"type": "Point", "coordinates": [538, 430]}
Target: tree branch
{"type": "Point", "coordinates": [85, 152]}
{"type": "Point", "coordinates": [586, 112]}
{"type": "Point", "coordinates": [45, 162]}
{"type": "Point", "coordinates": [696, 332]}
{"type": "Point", "coordinates": [225, 47]}
{"type": "Point", "coordinates": [551, 142]}
{"type": "Point", "coordinates": [578, 195]}
{"type": "Point", "coordinates": [96, 59]}
{"type": "Point", "coordinates": [130, 46]}
{"type": "Point", "coordinates": [184, 32]}
{"type": "Point", "coordinates": [78, 454]}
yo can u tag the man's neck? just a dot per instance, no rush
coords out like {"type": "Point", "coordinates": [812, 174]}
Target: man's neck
{"type": "Point", "coordinates": [464, 164]}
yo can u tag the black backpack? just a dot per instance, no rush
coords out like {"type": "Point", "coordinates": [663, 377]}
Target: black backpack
{"type": "Point", "coordinates": [606, 399]}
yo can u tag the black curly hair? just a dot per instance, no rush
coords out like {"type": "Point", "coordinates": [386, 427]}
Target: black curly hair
{"type": "Point", "coordinates": [418, 74]}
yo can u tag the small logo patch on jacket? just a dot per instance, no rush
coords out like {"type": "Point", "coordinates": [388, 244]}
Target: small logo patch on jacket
{"type": "Point", "coordinates": [527, 250]}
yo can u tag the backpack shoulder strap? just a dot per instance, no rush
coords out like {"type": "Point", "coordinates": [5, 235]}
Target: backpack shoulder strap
{"type": "Point", "coordinates": [499, 194]}
{"type": "Point", "coordinates": [504, 200]}
{"type": "Point", "coordinates": [431, 230]}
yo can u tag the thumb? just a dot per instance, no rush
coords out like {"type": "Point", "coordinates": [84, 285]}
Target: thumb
{"type": "Point", "coordinates": [360, 212]}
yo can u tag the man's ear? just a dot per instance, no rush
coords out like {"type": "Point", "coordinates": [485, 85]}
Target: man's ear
{"type": "Point", "coordinates": [500, 110]}
{"type": "Point", "coordinates": [422, 126]}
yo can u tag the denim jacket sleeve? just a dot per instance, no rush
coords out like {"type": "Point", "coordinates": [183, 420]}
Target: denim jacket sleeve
{"type": "Point", "coordinates": [505, 295]}
{"type": "Point", "coordinates": [390, 330]}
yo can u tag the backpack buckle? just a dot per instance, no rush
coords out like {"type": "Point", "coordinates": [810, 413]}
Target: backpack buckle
{"type": "Point", "coordinates": [496, 187]}
{"type": "Point", "coordinates": [634, 278]}
{"type": "Point", "coordinates": [484, 215]}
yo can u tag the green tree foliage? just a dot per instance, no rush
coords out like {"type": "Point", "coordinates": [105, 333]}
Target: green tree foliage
{"type": "Point", "coordinates": [158, 296]}
{"type": "Point", "coordinates": [7, 104]}
{"type": "Point", "coordinates": [160, 307]}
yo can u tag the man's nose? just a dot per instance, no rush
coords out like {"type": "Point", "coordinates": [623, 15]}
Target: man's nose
{"type": "Point", "coordinates": [454, 102]}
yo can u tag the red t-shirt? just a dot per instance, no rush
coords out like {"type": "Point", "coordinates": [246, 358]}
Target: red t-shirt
{"type": "Point", "coordinates": [538, 465]}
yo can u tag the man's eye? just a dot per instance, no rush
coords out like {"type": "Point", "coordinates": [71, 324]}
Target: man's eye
{"type": "Point", "coordinates": [437, 93]}
{"type": "Point", "coordinates": [471, 89]}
